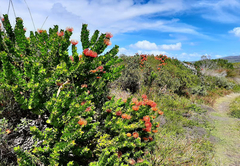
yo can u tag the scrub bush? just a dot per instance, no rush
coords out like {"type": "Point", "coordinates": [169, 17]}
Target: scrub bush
{"type": "Point", "coordinates": [84, 125]}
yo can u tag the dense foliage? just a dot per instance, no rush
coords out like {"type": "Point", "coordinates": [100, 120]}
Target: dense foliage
{"type": "Point", "coordinates": [84, 125]}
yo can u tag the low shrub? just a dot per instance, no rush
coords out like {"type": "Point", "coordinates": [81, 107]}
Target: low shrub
{"type": "Point", "coordinates": [235, 108]}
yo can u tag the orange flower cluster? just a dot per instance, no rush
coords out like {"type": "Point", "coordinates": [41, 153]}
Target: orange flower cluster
{"type": "Point", "coordinates": [135, 108]}
{"type": "Point", "coordinates": [88, 109]}
{"type": "Point", "coordinates": [109, 35]}
{"type": "Point", "coordinates": [119, 113]}
{"type": "Point", "coordinates": [162, 59]}
{"type": "Point", "coordinates": [126, 116]}
{"type": "Point", "coordinates": [147, 138]}
{"type": "Point", "coordinates": [143, 59]}
{"type": "Point", "coordinates": [40, 31]}
{"type": "Point", "coordinates": [109, 110]}
{"type": "Point", "coordinates": [8, 131]}
{"type": "Point", "coordinates": [135, 134]}
{"type": "Point", "coordinates": [60, 33]}
{"type": "Point", "coordinates": [90, 53]}
{"type": "Point", "coordinates": [74, 42]}
{"type": "Point", "coordinates": [69, 29]}
{"type": "Point", "coordinates": [82, 122]}
{"type": "Point", "coordinates": [107, 42]}
{"type": "Point", "coordinates": [84, 85]}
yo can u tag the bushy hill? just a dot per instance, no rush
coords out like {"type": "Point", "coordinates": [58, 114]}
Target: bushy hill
{"type": "Point", "coordinates": [232, 59]}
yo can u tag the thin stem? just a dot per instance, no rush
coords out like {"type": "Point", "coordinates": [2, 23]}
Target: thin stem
{"type": "Point", "coordinates": [30, 15]}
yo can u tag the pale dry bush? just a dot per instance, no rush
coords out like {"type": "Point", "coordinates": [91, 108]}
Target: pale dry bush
{"type": "Point", "coordinates": [214, 73]}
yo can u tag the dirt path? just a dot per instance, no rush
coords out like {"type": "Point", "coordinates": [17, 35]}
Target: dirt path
{"type": "Point", "coordinates": [227, 132]}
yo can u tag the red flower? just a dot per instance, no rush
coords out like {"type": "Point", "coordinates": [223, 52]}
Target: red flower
{"type": "Point", "coordinates": [146, 118]}
{"type": "Point", "coordinates": [119, 113]}
{"type": "Point", "coordinates": [60, 33]}
{"type": "Point", "coordinates": [158, 125]}
{"type": "Point", "coordinates": [109, 110]}
{"type": "Point", "coordinates": [160, 112]}
{"type": "Point", "coordinates": [134, 100]}
{"type": "Point", "coordinates": [24, 29]}
{"type": "Point", "coordinates": [8, 131]}
{"type": "Point", "coordinates": [135, 134]}
{"type": "Point", "coordinates": [128, 117]}
{"type": "Point", "coordinates": [93, 71]}
{"type": "Point", "coordinates": [69, 29]}
{"type": "Point", "coordinates": [154, 108]}
{"type": "Point", "coordinates": [145, 138]}
{"type": "Point", "coordinates": [107, 42]}
{"type": "Point", "coordinates": [100, 67]}
{"type": "Point", "coordinates": [147, 129]}
{"type": "Point", "coordinates": [2, 19]}
{"type": "Point", "coordinates": [109, 35]}
{"type": "Point", "coordinates": [74, 42]}
{"type": "Point", "coordinates": [84, 85]}
{"type": "Point", "coordinates": [140, 103]}
{"type": "Point", "coordinates": [148, 124]}
{"type": "Point", "coordinates": [124, 116]}
{"type": "Point", "coordinates": [88, 109]}
{"type": "Point", "coordinates": [40, 31]}
{"type": "Point", "coordinates": [135, 108]}
{"type": "Point", "coordinates": [82, 122]}
{"type": "Point", "coordinates": [150, 138]}
{"type": "Point", "coordinates": [109, 97]}
{"type": "Point", "coordinates": [83, 102]}
{"type": "Point", "coordinates": [98, 77]}
{"type": "Point", "coordinates": [154, 131]}
{"type": "Point", "coordinates": [144, 96]}
{"type": "Point", "coordinates": [90, 53]}
{"type": "Point", "coordinates": [151, 103]}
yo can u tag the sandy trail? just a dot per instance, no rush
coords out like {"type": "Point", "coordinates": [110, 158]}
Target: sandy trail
{"type": "Point", "coordinates": [227, 132]}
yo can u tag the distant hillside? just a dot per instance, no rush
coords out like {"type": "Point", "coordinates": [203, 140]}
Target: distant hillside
{"type": "Point", "coordinates": [232, 58]}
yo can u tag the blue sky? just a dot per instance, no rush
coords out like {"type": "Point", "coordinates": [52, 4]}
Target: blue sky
{"type": "Point", "coordinates": [183, 29]}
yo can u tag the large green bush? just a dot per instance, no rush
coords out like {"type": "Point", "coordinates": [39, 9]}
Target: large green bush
{"type": "Point", "coordinates": [84, 124]}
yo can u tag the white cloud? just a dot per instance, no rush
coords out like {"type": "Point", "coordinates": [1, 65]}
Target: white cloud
{"type": "Point", "coordinates": [218, 56]}
{"type": "Point", "coordinates": [236, 31]}
{"type": "Point", "coordinates": [115, 16]}
{"type": "Point", "coordinates": [225, 11]}
{"type": "Point", "coordinates": [176, 46]}
{"type": "Point", "coordinates": [144, 45]}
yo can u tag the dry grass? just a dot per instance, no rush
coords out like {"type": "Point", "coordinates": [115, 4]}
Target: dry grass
{"type": "Point", "coordinates": [173, 150]}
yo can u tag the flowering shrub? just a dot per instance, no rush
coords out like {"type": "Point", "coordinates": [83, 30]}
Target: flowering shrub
{"type": "Point", "coordinates": [162, 59]}
{"type": "Point", "coordinates": [143, 58]}
{"type": "Point", "coordinates": [84, 124]}
{"type": "Point", "coordinates": [135, 129]}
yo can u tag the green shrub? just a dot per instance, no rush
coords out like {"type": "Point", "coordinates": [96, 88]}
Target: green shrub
{"type": "Point", "coordinates": [84, 124]}
{"type": "Point", "coordinates": [199, 90]}
{"type": "Point", "coordinates": [130, 76]}
{"type": "Point", "coordinates": [235, 108]}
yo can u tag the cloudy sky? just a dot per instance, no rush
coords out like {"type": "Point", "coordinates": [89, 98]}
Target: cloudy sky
{"type": "Point", "coordinates": [184, 29]}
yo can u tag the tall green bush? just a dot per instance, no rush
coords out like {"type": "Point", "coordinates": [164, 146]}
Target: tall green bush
{"type": "Point", "coordinates": [84, 125]}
